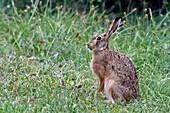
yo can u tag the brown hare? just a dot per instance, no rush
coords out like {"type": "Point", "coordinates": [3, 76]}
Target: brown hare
{"type": "Point", "coordinates": [116, 72]}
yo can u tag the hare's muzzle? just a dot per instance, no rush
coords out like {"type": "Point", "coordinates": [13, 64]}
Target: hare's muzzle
{"type": "Point", "coordinates": [89, 46]}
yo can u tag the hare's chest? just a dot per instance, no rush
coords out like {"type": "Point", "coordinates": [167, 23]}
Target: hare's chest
{"type": "Point", "coordinates": [98, 68]}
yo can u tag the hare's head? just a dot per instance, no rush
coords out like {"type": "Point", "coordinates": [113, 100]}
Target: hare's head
{"type": "Point", "coordinates": [99, 42]}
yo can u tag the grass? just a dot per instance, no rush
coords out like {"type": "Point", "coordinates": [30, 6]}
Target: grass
{"type": "Point", "coordinates": [44, 63]}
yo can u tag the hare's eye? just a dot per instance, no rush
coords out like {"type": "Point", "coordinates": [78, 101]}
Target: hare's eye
{"type": "Point", "coordinates": [99, 38]}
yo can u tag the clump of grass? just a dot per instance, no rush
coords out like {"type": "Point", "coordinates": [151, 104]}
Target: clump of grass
{"type": "Point", "coordinates": [44, 63]}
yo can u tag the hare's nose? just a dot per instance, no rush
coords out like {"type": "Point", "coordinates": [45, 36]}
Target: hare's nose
{"type": "Point", "coordinates": [88, 46]}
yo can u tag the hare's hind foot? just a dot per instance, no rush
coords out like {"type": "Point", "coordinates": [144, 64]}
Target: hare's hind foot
{"type": "Point", "coordinates": [108, 101]}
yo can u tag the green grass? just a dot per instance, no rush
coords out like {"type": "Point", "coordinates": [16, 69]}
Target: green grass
{"type": "Point", "coordinates": [39, 51]}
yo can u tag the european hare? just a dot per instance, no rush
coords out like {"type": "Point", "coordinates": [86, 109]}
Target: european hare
{"type": "Point", "coordinates": [116, 72]}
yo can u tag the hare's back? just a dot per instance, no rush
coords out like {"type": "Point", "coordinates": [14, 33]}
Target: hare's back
{"type": "Point", "coordinates": [125, 70]}
{"type": "Point", "coordinates": [123, 67]}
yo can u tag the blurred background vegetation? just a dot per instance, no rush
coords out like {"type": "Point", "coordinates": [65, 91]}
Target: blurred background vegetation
{"type": "Point", "coordinates": [110, 6]}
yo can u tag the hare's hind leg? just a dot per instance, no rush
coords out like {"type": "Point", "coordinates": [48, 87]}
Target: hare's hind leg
{"type": "Point", "coordinates": [113, 92]}
{"type": "Point", "coordinates": [108, 90]}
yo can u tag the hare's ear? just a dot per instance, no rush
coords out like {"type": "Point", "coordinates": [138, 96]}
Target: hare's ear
{"type": "Point", "coordinates": [113, 27]}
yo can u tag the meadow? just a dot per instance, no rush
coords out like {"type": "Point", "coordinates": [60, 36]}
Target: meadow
{"type": "Point", "coordinates": [44, 61]}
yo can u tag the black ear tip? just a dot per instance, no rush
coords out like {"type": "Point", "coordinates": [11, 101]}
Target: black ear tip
{"type": "Point", "coordinates": [118, 18]}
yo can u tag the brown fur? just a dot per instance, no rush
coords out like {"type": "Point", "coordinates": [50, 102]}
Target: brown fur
{"type": "Point", "coordinates": [115, 70]}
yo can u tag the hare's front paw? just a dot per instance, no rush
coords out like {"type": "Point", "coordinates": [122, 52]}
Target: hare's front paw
{"type": "Point", "coordinates": [96, 95]}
